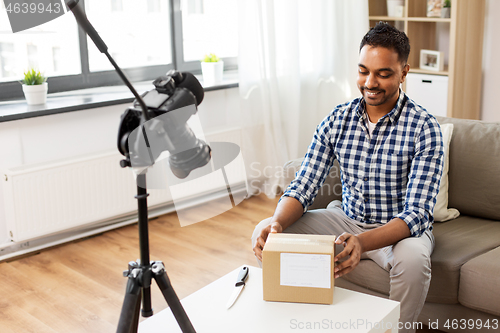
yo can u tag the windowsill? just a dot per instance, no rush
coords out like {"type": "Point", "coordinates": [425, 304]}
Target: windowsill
{"type": "Point", "coordinates": [92, 98]}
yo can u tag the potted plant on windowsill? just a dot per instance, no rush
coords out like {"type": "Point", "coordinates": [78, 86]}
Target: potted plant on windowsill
{"type": "Point", "coordinates": [35, 87]}
{"type": "Point", "coordinates": [211, 68]}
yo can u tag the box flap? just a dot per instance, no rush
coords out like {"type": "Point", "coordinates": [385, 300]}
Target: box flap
{"type": "Point", "coordinates": [295, 243]}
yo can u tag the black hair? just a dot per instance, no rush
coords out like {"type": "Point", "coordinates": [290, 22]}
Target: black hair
{"type": "Point", "coordinates": [385, 35]}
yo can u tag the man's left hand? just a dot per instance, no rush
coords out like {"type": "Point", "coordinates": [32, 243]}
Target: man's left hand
{"type": "Point", "coordinates": [352, 248]}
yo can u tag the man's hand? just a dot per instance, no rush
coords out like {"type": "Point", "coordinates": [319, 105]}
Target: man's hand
{"type": "Point", "coordinates": [352, 248]}
{"type": "Point", "coordinates": [354, 245]}
{"type": "Point", "coordinates": [287, 212]}
{"type": "Point", "coordinates": [274, 227]}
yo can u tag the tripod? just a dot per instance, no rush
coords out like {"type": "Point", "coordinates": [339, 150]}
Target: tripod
{"type": "Point", "coordinates": [180, 90]}
{"type": "Point", "coordinates": [141, 273]}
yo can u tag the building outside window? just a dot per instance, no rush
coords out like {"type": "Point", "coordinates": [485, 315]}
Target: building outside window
{"type": "Point", "coordinates": [7, 59]}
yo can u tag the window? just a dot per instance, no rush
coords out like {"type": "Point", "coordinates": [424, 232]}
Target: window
{"type": "Point", "coordinates": [208, 27]}
{"type": "Point", "coordinates": [33, 48]}
{"type": "Point", "coordinates": [56, 57]}
{"type": "Point", "coordinates": [7, 60]}
{"type": "Point", "coordinates": [116, 6]}
{"type": "Point", "coordinates": [146, 39]}
{"type": "Point", "coordinates": [137, 37]}
{"type": "Point", "coordinates": [154, 6]}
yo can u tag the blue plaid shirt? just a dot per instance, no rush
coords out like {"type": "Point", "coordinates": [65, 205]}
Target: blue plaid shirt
{"type": "Point", "coordinates": [395, 173]}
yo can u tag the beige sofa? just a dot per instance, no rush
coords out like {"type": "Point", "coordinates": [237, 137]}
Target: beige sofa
{"type": "Point", "coordinates": [465, 281]}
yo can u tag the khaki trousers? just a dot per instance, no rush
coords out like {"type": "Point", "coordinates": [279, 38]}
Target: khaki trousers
{"type": "Point", "coordinates": [408, 262]}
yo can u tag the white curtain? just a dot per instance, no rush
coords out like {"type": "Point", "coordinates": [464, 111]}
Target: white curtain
{"type": "Point", "coordinates": [297, 61]}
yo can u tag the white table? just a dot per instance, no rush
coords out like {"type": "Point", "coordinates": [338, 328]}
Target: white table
{"type": "Point", "coordinates": [350, 312]}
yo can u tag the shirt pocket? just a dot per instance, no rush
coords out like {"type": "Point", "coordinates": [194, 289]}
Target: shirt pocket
{"type": "Point", "coordinates": [392, 171]}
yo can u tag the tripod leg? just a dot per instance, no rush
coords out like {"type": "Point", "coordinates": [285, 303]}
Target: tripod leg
{"type": "Point", "coordinates": [129, 317]}
{"type": "Point", "coordinates": [147, 310]}
{"type": "Point", "coordinates": [161, 278]}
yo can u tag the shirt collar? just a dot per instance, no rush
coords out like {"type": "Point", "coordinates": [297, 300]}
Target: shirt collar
{"type": "Point", "coordinates": [393, 115]}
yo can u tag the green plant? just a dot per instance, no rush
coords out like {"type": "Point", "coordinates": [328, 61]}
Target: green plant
{"type": "Point", "coordinates": [32, 78]}
{"type": "Point", "coordinates": [447, 4]}
{"type": "Point", "coordinates": [210, 58]}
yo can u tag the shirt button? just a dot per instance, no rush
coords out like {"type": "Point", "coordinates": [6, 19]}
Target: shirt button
{"type": "Point", "coordinates": [365, 179]}
{"type": "Point", "coordinates": [366, 200]}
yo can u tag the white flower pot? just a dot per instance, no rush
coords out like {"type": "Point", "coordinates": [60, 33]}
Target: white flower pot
{"type": "Point", "coordinates": [212, 72]}
{"type": "Point", "coordinates": [36, 94]}
{"type": "Point", "coordinates": [446, 12]}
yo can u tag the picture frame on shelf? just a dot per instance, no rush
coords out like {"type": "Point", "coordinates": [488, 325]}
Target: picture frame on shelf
{"type": "Point", "coordinates": [434, 8]}
{"type": "Point", "coordinates": [432, 60]}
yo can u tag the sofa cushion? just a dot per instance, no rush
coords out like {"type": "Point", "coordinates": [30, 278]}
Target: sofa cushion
{"type": "Point", "coordinates": [480, 283]}
{"type": "Point", "coordinates": [474, 161]}
{"type": "Point", "coordinates": [441, 211]}
{"type": "Point", "coordinates": [456, 243]}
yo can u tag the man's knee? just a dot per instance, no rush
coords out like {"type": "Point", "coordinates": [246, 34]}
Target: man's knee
{"type": "Point", "coordinates": [412, 259]}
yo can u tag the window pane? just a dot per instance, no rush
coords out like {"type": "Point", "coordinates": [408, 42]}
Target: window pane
{"type": "Point", "coordinates": [209, 26]}
{"type": "Point", "coordinates": [137, 33]}
{"type": "Point", "coordinates": [35, 48]}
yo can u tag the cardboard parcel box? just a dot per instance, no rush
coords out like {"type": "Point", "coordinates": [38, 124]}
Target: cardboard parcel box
{"type": "Point", "coordinates": [298, 268]}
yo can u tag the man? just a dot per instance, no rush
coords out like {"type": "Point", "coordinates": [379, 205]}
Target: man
{"type": "Point", "coordinates": [390, 153]}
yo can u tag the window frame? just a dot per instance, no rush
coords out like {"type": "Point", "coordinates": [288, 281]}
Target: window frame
{"type": "Point", "coordinates": [11, 90]}
{"type": "Point", "coordinates": [230, 63]}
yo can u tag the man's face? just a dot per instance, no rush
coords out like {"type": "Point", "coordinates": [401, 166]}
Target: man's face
{"type": "Point", "coordinates": [379, 75]}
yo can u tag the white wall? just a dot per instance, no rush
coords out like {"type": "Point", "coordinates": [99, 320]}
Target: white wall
{"type": "Point", "coordinates": [490, 111]}
{"type": "Point", "coordinates": [66, 135]}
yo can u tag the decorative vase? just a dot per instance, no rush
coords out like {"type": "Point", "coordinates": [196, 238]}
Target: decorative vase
{"type": "Point", "coordinates": [395, 8]}
{"type": "Point", "coordinates": [212, 72]}
{"type": "Point", "coordinates": [35, 94]}
{"type": "Point", "coordinates": [445, 12]}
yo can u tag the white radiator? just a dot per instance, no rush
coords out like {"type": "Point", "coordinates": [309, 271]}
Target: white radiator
{"type": "Point", "coordinates": [46, 199]}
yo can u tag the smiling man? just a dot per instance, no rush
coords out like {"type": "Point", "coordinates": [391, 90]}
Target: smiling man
{"type": "Point", "coordinates": [390, 153]}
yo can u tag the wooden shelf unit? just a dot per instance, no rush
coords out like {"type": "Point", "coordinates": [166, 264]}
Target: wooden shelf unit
{"type": "Point", "coordinates": [464, 51]}
{"type": "Point", "coordinates": [409, 19]}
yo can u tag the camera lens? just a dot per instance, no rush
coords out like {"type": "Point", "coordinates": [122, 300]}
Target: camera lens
{"type": "Point", "coordinates": [184, 162]}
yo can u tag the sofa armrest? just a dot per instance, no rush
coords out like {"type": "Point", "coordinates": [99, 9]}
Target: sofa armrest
{"type": "Point", "coordinates": [329, 191]}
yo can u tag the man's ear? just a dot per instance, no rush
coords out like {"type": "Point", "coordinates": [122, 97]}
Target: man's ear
{"type": "Point", "coordinates": [406, 69]}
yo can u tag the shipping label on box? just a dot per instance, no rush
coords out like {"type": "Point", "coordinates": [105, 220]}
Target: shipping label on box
{"type": "Point", "coordinates": [298, 268]}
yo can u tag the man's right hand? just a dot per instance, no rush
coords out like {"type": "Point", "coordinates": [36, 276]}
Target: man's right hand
{"type": "Point", "coordinates": [274, 227]}
{"type": "Point", "coordinates": [287, 212]}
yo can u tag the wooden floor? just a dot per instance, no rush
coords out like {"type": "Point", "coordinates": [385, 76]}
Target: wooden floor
{"type": "Point", "coordinates": [79, 287]}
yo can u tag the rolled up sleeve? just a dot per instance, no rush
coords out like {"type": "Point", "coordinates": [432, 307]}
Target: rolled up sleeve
{"type": "Point", "coordinates": [314, 168]}
{"type": "Point", "coordinates": [424, 179]}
